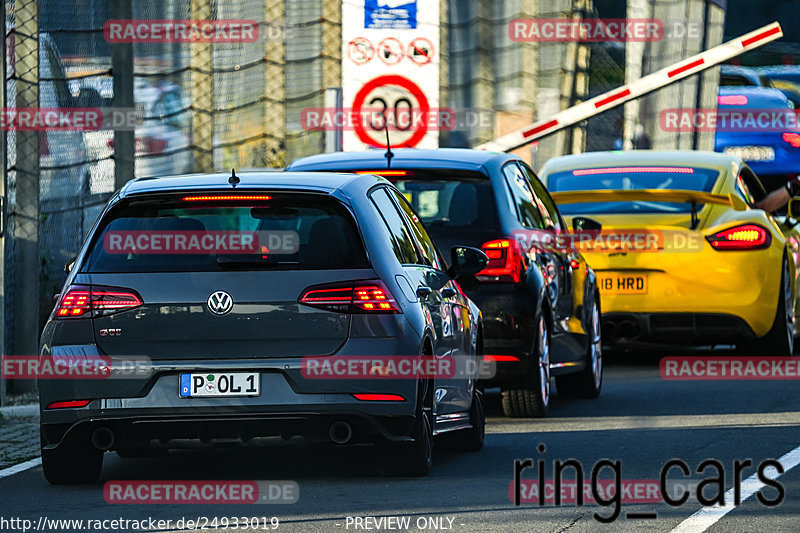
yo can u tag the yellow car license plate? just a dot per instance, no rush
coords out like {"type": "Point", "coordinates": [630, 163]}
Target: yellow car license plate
{"type": "Point", "coordinates": [623, 283]}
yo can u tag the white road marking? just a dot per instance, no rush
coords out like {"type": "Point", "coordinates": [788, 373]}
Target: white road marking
{"type": "Point", "coordinates": [708, 516]}
{"type": "Point", "coordinates": [11, 470]}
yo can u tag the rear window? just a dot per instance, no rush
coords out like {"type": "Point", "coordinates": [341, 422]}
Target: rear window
{"type": "Point", "coordinates": [456, 210]}
{"type": "Point", "coordinates": [197, 232]}
{"type": "Point", "coordinates": [447, 201]}
{"type": "Point", "coordinates": [631, 178]}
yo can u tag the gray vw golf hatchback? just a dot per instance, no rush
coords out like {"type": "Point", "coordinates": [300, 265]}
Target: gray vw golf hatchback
{"type": "Point", "coordinates": [220, 308]}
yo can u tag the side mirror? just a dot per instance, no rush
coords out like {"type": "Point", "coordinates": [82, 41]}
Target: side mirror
{"type": "Point", "coordinates": [69, 266]}
{"type": "Point", "coordinates": [466, 261]}
{"type": "Point", "coordinates": [793, 211]}
{"type": "Point", "coordinates": [585, 224]}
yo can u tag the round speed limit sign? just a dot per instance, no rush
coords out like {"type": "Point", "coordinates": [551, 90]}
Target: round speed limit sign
{"type": "Point", "coordinates": [397, 100]}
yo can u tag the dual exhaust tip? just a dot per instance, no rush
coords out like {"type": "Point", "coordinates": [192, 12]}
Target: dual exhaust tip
{"type": "Point", "coordinates": [340, 432]}
{"type": "Point", "coordinates": [624, 329]}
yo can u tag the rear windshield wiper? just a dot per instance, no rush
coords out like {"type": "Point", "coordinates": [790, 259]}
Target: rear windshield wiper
{"type": "Point", "coordinates": [228, 261]}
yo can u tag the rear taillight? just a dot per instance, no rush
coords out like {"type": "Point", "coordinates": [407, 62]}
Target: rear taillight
{"type": "Point", "coordinates": [792, 138]}
{"type": "Point", "coordinates": [86, 302]}
{"type": "Point", "coordinates": [501, 358]}
{"type": "Point", "coordinates": [353, 297]}
{"type": "Point", "coordinates": [505, 261]}
{"type": "Point", "coordinates": [69, 404]}
{"type": "Point", "coordinates": [379, 397]}
{"type": "Point", "coordinates": [744, 237]}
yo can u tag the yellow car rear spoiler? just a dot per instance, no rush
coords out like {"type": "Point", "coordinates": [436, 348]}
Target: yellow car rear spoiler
{"type": "Point", "coordinates": [651, 195]}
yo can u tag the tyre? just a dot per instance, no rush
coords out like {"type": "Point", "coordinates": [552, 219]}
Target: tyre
{"type": "Point", "coordinates": [469, 440]}
{"type": "Point", "coordinates": [71, 465]}
{"type": "Point", "coordinates": [416, 458]}
{"type": "Point", "coordinates": [780, 339]}
{"type": "Point", "coordinates": [588, 382]}
{"type": "Point", "coordinates": [533, 397]}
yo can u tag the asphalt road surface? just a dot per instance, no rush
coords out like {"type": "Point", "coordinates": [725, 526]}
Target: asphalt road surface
{"type": "Point", "coordinates": [640, 419]}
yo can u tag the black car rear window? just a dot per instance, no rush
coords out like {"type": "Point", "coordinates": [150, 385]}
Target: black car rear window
{"type": "Point", "coordinates": [208, 232]}
{"type": "Point", "coordinates": [452, 200]}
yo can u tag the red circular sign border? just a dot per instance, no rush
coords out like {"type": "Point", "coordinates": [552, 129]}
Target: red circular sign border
{"type": "Point", "coordinates": [400, 55]}
{"type": "Point", "coordinates": [411, 51]}
{"type": "Point", "coordinates": [371, 48]}
{"type": "Point", "coordinates": [391, 79]}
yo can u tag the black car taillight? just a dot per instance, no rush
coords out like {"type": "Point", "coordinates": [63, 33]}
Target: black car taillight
{"type": "Point", "coordinates": [83, 301]}
{"type": "Point", "coordinates": [369, 296]}
{"type": "Point", "coordinates": [505, 261]}
{"type": "Point", "coordinates": [744, 237]}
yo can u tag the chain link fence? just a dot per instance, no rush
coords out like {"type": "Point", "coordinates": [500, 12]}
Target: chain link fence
{"type": "Point", "coordinates": [199, 106]}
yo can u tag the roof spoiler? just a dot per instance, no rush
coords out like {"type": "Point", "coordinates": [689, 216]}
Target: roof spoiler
{"type": "Point", "coordinates": [651, 195]}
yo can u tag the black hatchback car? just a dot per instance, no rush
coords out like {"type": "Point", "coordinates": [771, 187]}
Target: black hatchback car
{"type": "Point", "coordinates": [214, 306]}
{"type": "Point", "coordinates": [541, 308]}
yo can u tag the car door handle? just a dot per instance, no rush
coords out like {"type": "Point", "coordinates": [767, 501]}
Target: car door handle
{"type": "Point", "coordinates": [448, 292]}
{"type": "Point", "coordinates": [424, 292]}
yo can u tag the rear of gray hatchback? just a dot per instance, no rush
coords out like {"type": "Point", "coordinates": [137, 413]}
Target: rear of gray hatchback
{"type": "Point", "coordinates": [204, 345]}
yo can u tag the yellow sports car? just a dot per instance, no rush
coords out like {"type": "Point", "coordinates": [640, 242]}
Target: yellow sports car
{"type": "Point", "coordinates": [682, 256]}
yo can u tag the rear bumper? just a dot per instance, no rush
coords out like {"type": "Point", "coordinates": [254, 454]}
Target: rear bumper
{"type": "Point", "coordinates": [675, 328]}
{"type": "Point", "coordinates": [159, 418]}
{"type": "Point", "coordinates": [170, 431]}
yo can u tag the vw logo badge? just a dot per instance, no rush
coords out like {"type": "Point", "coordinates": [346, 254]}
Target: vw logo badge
{"type": "Point", "coordinates": [220, 303]}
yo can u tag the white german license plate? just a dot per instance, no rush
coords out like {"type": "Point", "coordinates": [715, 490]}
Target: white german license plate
{"type": "Point", "coordinates": [752, 153]}
{"type": "Point", "coordinates": [219, 384]}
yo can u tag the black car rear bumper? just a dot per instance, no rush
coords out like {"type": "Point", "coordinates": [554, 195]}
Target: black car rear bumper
{"type": "Point", "coordinates": [135, 431]}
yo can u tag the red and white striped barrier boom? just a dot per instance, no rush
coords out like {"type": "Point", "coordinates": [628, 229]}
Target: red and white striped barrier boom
{"type": "Point", "coordinates": [636, 89]}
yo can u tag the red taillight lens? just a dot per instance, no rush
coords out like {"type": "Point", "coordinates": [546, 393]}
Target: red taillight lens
{"type": "Point", "coordinates": [500, 358]}
{"type": "Point", "coordinates": [792, 138]}
{"type": "Point", "coordinates": [226, 198]}
{"type": "Point", "coordinates": [744, 237]}
{"type": "Point", "coordinates": [76, 302]}
{"type": "Point", "coordinates": [505, 261]}
{"type": "Point", "coordinates": [359, 297]}
{"type": "Point", "coordinates": [114, 300]}
{"type": "Point", "coordinates": [574, 264]}
{"type": "Point", "coordinates": [70, 403]}
{"type": "Point", "coordinates": [379, 397]}
{"type": "Point", "coordinates": [84, 302]}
